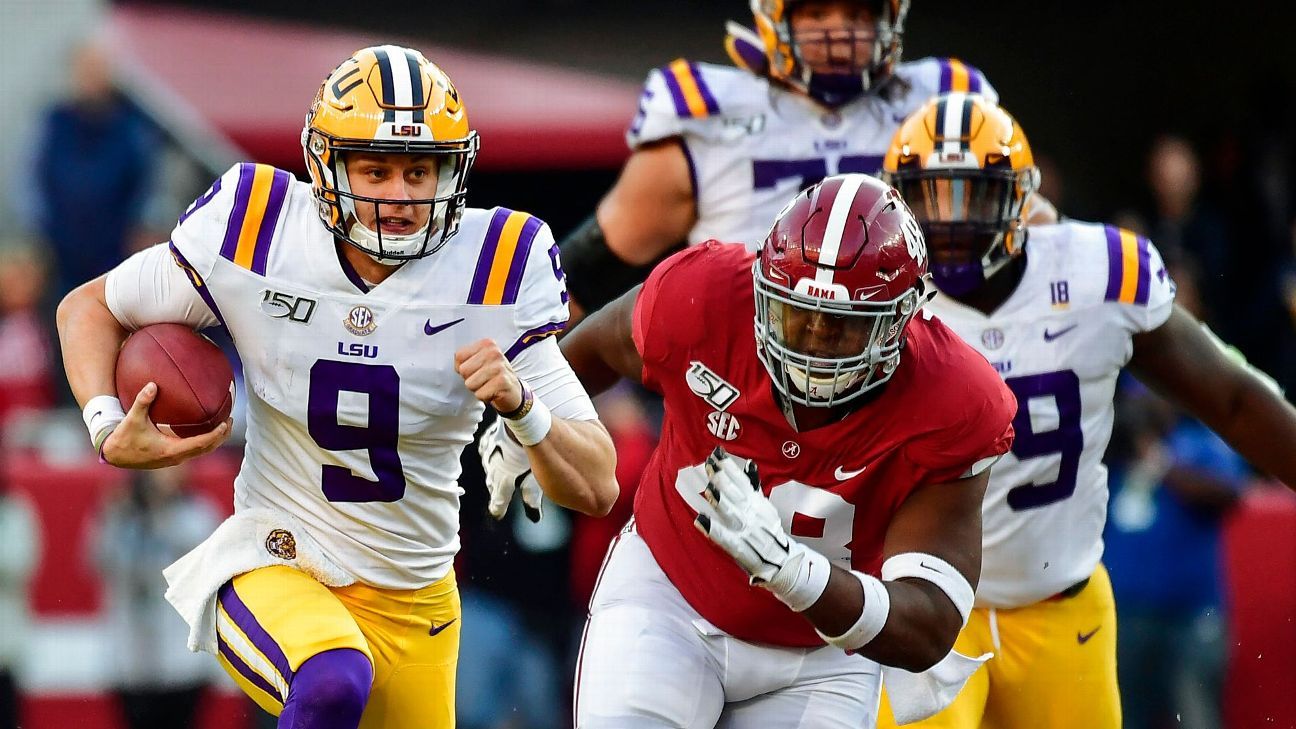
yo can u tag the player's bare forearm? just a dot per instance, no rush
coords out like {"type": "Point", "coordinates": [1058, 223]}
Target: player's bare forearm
{"type": "Point", "coordinates": [90, 337]}
{"type": "Point", "coordinates": [575, 465]}
{"type": "Point", "coordinates": [601, 350]}
{"type": "Point", "coordinates": [1183, 362]}
{"type": "Point", "coordinates": [920, 628]}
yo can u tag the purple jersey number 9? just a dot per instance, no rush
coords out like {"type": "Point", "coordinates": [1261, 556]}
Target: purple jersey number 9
{"type": "Point", "coordinates": [328, 380]}
{"type": "Point", "coordinates": [1067, 440]}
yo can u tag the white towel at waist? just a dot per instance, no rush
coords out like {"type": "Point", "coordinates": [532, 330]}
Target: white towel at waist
{"type": "Point", "coordinates": [246, 541]}
{"type": "Point", "coordinates": [917, 696]}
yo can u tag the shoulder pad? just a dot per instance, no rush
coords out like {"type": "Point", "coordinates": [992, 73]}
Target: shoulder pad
{"type": "Point", "coordinates": [236, 218]}
{"type": "Point", "coordinates": [684, 97]}
{"type": "Point", "coordinates": [932, 76]}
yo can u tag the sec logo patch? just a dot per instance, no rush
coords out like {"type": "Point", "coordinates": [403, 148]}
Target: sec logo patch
{"type": "Point", "coordinates": [723, 425]}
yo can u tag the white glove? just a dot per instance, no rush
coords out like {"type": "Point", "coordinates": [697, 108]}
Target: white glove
{"type": "Point", "coordinates": [749, 528]}
{"type": "Point", "coordinates": [507, 470]}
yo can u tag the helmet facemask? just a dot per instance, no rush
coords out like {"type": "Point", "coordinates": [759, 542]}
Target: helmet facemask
{"type": "Point", "coordinates": [340, 205]}
{"type": "Point", "coordinates": [972, 219]}
{"type": "Point", "coordinates": [866, 337]}
{"type": "Point", "coordinates": [860, 59]}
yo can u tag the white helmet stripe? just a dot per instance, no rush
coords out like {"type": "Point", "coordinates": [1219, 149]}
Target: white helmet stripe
{"type": "Point", "coordinates": [837, 217]}
{"type": "Point", "coordinates": [402, 84]}
{"type": "Point", "coordinates": [952, 125]}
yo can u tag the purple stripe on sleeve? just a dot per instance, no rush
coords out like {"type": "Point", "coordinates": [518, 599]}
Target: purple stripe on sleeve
{"type": "Point", "coordinates": [247, 623]}
{"type": "Point", "coordinates": [244, 669]}
{"type": "Point", "coordinates": [1144, 271]}
{"type": "Point", "coordinates": [711, 105]}
{"type": "Point", "coordinates": [514, 281]}
{"type": "Point", "coordinates": [1115, 263]}
{"type": "Point", "coordinates": [974, 80]}
{"type": "Point", "coordinates": [477, 294]}
{"type": "Point", "coordinates": [196, 281]}
{"type": "Point", "coordinates": [202, 200]}
{"type": "Point", "coordinates": [534, 335]}
{"type": "Point", "coordinates": [270, 220]}
{"type": "Point", "coordinates": [946, 75]}
{"type": "Point", "coordinates": [692, 167]}
{"type": "Point", "coordinates": [242, 194]}
{"type": "Point", "coordinates": [677, 94]}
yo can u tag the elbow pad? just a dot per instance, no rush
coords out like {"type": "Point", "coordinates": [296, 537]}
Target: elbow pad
{"type": "Point", "coordinates": [595, 275]}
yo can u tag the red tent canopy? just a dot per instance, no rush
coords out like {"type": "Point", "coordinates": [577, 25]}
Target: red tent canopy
{"type": "Point", "coordinates": [253, 79]}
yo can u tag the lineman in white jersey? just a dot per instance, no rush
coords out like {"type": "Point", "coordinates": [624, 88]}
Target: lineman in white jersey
{"type": "Point", "coordinates": [1058, 319]}
{"type": "Point", "coordinates": [369, 344]}
{"type": "Point", "coordinates": [717, 151]}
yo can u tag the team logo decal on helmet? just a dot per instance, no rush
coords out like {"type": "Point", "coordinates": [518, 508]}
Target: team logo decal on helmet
{"type": "Point", "coordinates": [837, 280]}
{"type": "Point", "coordinates": [388, 100]}
{"type": "Point", "coordinates": [784, 50]}
{"type": "Point", "coordinates": [964, 166]}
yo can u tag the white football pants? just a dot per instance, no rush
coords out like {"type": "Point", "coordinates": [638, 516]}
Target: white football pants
{"type": "Point", "coordinates": [650, 661]}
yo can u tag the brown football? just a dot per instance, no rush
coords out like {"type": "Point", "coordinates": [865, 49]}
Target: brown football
{"type": "Point", "coordinates": [194, 379]}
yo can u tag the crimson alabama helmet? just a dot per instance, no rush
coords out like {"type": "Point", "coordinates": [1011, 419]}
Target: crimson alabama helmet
{"type": "Point", "coordinates": [838, 278]}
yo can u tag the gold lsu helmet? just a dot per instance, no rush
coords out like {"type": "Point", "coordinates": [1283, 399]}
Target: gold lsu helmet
{"type": "Point", "coordinates": [388, 100]}
{"type": "Point", "coordinates": [785, 63]}
{"type": "Point", "coordinates": [964, 166]}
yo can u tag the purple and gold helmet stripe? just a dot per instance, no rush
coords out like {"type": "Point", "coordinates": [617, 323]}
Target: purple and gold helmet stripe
{"type": "Point", "coordinates": [245, 671]}
{"type": "Point", "coordinates": [247, 624]}
{"type": "Point", "coordinates": [958, 76]}
{"type": "Point", "coordinates": [535, 334]}
{"type": "Point", "coordinates": [498, 276]}
{"type": "Point", "coordinates": [258, 200]}
{"type": "Point", "coordinates": [1128, 266]}
{"type": "Point", "coordinates": [689, 91]}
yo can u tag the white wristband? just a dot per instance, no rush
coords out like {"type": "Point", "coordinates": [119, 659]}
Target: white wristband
{"type": "Point", "coordinates": [877, 606]}
{"type": "Point", "coordinates": [102, 414]}
{"type": "Point", "coordinates": [532, 425]}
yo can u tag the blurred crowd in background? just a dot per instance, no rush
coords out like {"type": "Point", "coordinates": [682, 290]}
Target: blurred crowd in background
{"type": "Point", "coordinates": [102, 178]}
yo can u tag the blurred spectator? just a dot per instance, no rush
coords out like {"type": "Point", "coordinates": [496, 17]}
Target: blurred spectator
{"type": "Point", "coordinates": [1168, 505]}
{"type": "Point", "coordinates": [19, 543]}
{"type": "Point", "coordinates": [1182, 225]}
{"type": "Point", "coordinates": [154, 522]}
{"type": "Point", "coordinates": [93, 166]}
{"type": "Point", "coordinates": [27, 377]}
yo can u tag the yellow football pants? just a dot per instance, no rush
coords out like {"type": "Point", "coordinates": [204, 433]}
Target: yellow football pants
{"type": "Point", "coordinates": [1054, 667]}
{"type": "Point", "coordinates": [275, 618]}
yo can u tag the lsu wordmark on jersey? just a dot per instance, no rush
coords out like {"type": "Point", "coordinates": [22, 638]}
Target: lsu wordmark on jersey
{"type": "Point", "coordinates": [356, 415]}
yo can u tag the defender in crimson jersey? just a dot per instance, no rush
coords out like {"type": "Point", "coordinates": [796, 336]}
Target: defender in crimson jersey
{"type": "Point", "coordinates": [857, 436]}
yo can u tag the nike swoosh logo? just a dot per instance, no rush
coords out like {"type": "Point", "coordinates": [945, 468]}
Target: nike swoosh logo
{"type": "Point", "coordinates": [435, 629]}
{"type": "Point", "coordinates": [1083, 638]}
{"type": "Point", "coordinates": [429, 330]}
{"type": "Point", "coordinates": [842, 475]}
{"type": "Point", "coordinates": [1050, 336]}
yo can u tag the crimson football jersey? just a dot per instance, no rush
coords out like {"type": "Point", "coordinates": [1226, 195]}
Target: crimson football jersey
{"type": "Point", "coordinates": [836, 486]}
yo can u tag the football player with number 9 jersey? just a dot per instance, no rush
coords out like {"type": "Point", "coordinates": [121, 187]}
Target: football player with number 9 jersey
{"type": "Point", "coordinates": [375, 315]}
{"type": "Point", "coordinates": [812, 509]}
{"type": "Point", "coordinates": [1058, 310]}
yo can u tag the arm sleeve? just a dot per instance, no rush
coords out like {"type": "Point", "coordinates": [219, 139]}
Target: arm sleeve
{"type": "Point", "coordinates": [150, 287]}
{"type": "Point", "coordinates": [658, 116]}
{"type": "Point", "coordinates": [550, 377]}
{"type": "Point", "coordinates": [541, 309]}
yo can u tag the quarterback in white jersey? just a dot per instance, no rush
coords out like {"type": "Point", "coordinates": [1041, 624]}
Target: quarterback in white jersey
{"type": "Point", "coordinates": [1058, 319]}
{"type": "Point", "coordinates": [717, 151]}
{"type": "Point", "coordinates": [375, 317]}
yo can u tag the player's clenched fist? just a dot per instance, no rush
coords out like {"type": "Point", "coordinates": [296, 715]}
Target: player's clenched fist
{"type": "Point", "coordinates": [487, 373]}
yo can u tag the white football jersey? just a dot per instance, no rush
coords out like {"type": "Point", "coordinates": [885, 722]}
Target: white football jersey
{"type": "Point", "coordinates": [752, 145]}
{"type": "Point", "coordinates": [1059, 341]}
{"type": "Point", "coordinates": [356, 415]}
